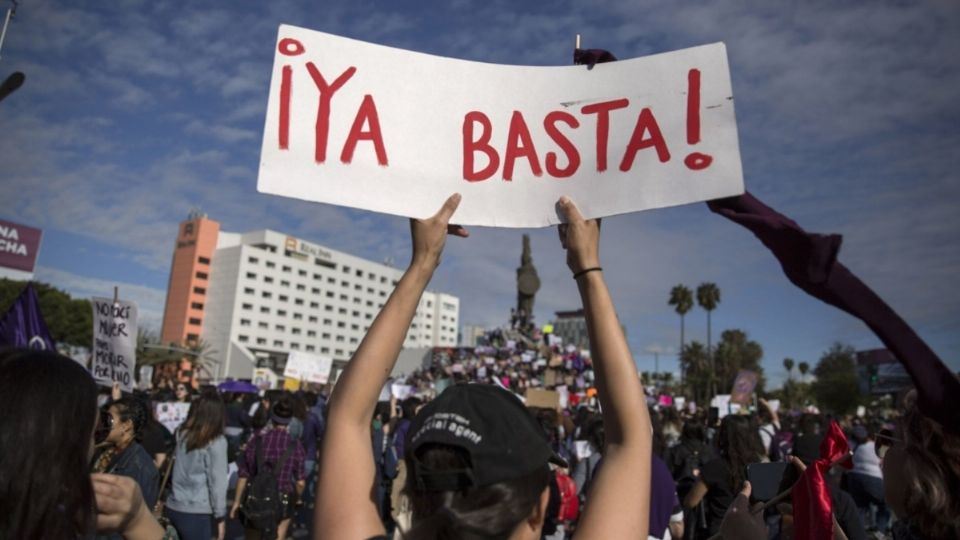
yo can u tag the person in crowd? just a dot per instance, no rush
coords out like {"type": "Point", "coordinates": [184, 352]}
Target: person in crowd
{"type": "Point", "coordinates": [921, 476]}
{"type": "Point", "coordinates": [477, 461]}
{"type": "Point", "coordinates": [46, 490]}
{"type": "Point", "coordinates": [769, 426]}
{"type": "Point", "coordinates": [121, 453]}
{"type": "Point", "coordinates": [865, 480]}
{"type": "Point", "coordinates": [155, 438]}
{"type": "Point", "coordinates": [586, 468]}
{"type": "Point", "coordinates": [276, 450]}
{"type": "Point", "coordinates": [721, 478]}
{"type": "Point", "coordinates": [238, 423]}
{"type": "Point", "coordinates": [314, 426]}
{"type": "Point", "coordinates": [198, 485]}
{"type": "Point", "coordinates": [183, 392]}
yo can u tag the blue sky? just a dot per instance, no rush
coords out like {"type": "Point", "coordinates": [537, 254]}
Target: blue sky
{"type": "Point", "coordinates": [135, 112]}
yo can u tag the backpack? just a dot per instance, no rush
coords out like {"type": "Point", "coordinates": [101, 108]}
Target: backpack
{"type": "Point", "coordinates": [781, 446]}
{"type": "Point", "coordinates": [569, 502]}
{"type": "Point", "coordinates": [263, 504]}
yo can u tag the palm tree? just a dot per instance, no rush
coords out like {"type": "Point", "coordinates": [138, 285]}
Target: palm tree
{"type": "Point", "coordinates": [695, 365]}
{"type": "Point", "coordinates": [681, 298]}
{"type": "Point", "coordinates": [708, 296]}
{"type": "Point", "coordinates": [804, 368]}
{"type": "Point", "coordinates": [788, 365]}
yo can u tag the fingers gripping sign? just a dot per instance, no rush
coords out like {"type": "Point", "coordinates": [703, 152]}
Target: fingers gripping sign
{"type": "Point", "coordinates": [430, 235]}
{"type": "Point", "coordinates": [579, 236]}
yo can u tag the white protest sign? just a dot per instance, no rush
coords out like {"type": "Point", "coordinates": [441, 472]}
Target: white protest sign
{"type": "Point", "coordinates": [171, 414]}
{"type": "Point", "coordinates": [114, 342]}
{"type": "Point", "coordinates": [395, 131]}
{"type": "Point", "coordinates": [402, 391]}
{"type": "Point", "coordinates": [308, 367]}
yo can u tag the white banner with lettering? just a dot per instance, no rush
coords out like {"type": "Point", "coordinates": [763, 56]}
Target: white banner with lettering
{"type": "Point", "coordinates": [389, 130]}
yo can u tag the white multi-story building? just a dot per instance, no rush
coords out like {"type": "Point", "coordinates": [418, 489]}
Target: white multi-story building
{"type": "Point", "coordinates": [265, 294]}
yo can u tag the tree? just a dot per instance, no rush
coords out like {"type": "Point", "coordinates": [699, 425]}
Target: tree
{"type": "Point", "coordinates": [696, 364]}
{"type": "Point", "coordinates": [788, 365]}
{"type": "Point", "coordinates": [708, 296]}
{"type": "Point", "coordinates": [804, 368]}
{"type": "Point", "coordinates": [681, 298]}
{"type": "Point", "coordinates": [736, 351]}
{"type": "Point", "coordinates": [836, 389]}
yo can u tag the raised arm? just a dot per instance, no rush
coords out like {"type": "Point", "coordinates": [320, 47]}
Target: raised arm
{"type": "Point", "coordinates": [345, 505]}
{"type": "Point", "coordinates": [619, 496]}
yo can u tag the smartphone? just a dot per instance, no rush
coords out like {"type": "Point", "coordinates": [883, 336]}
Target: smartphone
{"type": "Point", "coordinates": [765, 479]}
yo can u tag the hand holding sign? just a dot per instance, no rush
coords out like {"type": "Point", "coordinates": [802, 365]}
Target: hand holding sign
{"type": "Point", "coordinates": [430, 235]}
{"type": "Point", "coordinates": [580, 237]}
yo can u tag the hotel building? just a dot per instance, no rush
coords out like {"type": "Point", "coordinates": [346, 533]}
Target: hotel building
{"type": "Point", "coordinates": [254, 297]}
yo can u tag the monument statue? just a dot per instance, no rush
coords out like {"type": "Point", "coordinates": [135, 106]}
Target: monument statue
{"type": "Point", "coordinates": [528, 283]}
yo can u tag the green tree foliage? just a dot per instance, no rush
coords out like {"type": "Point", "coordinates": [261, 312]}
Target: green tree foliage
{"type": "Point", "coordinates": [734, 352]}
{"type": "Point", "coordinates": [788, 365]}
{"type": "Point", "coordinates": [696, 366]}
{"type": "Point", "coordinates": [708, 297]}
{"type": "Point", "coordinates": [69, 320]}
{"type": "Point", "coordinates": [836, 390]}
{"type": "Point", "coordinates": [804, 369]}
{"type": "Point", "coordinates": [681, 298]}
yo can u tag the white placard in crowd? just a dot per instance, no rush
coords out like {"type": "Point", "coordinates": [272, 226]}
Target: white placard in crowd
{"type": "Point", "coordinates": [402, 391]}
{"type": "Point", "coordinates": [774, 404]}
{"type": "Point", "coordinates": [308, 367]}
{"type": "Point", "coordinates": [265, 378]}
{"type": "Point", "coordinates": [678, 402]}
{"type": "Point", "coordinates": [171, 414]}
{"type": "Point", "coordinates": [722, 403]}
{"type": "Point", "coordinates": [583, 449]}
{"type": "Point", "coordinates": [146, 377]}
{"type": "Point", "coordinates": [395, 131]}
{"type": "Point", "coordinates": [114, 342]}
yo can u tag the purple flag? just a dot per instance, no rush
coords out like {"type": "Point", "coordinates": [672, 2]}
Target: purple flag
{"type": "Point", "coordinates": [23, 325]}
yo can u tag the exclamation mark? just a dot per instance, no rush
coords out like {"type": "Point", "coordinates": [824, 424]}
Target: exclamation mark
{"type": "Point", "coordinates": [286, 47]}
{"type": "Point", "coordinates": [694, 161]}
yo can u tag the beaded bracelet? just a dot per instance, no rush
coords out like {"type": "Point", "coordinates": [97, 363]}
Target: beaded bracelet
{"type": "Point", "coordinates": [582, 272]}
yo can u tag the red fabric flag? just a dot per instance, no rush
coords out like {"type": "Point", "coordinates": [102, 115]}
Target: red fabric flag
{"type": "Point", "coordinates": [812, 508]}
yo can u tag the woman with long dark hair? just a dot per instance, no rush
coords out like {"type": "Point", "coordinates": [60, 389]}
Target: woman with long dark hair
{"type": "Point", "coordinates": [739, 445]}
{"type": "Point", "coordinates": [198, 485]}
{"type": "Point", "coordinates": [122, 454]}
{"type": "Point", "coordinates": [49, 405]}
{"type": "Point", "coordinates": [478, 464]}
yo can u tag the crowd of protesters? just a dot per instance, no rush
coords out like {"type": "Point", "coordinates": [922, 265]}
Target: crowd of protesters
{"type": "Point", "coordinates": [78, 463]}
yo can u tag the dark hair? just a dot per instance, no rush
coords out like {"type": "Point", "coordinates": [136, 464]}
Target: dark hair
{"type": "Point", "coordinates": [282, 406]}
{"type": "Point", "coordinates": [409, 407]}
{"type": "Point", "coordinates": [45, 488]}
{"type": "Point", "coordinates": [594, 432]}
{"type": "Point", "coordinates": [693, 431]}
{"type": "Point", "coordinates": [489, 512]}
{"type": "Point", "coordinates": [739, 444]}
{"type": "Point", "coordinates": [129, 408]}
{"type": "Point", "coordinates": [205, 421]}
{"type": "Point", "coordinates": [811, 424]}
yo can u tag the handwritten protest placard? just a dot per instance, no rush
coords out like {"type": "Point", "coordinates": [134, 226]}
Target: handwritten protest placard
{"type": "Point", "coordinates": [743, 386]}
{"type": "Point", "coordinates": [114, 342]}
{"type": "Point", "coordinates": [171, 414]}
{"type": "Point", "coordinates": [308, 367]}
{"type": "Point", "coordinates": [389, 130]}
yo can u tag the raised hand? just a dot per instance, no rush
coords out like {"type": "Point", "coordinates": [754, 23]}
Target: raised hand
{"type": "Point", "coordinates": [430, 235]}
{"type": "Point", "coordinates": [579, 236]}
{"type": "Point", "coordinates": [121, 509]}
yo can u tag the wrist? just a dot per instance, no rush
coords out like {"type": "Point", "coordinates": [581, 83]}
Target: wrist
{"type": "Point", "coordinates": [143, 525]}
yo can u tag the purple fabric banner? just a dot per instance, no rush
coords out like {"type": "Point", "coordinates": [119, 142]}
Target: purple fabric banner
{"type": "Point", "coordinates": [23, 324]}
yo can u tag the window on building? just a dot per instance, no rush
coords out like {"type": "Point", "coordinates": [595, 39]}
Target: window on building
{"type": "Point", "coordinates": [339, 352]}
{"type": "Point", "coordinates": [295, 346]}
{"type": "Point", "coordinates": [298, 301]}
{"type": "Point", "coordinates": [311, 333]}
{"type": "Point", "coordinates": [346, 269]}
{"type": "Point", "coordinates": [354, 327]}
{"type": "Point", "coordinates": [264, 309]}
{"type": "Point", "coordinates": [344, 297]}
{"type": "Point", "coordinates": [383, 293]}
{"type": "Point", "coordinates": [342, 311]}
{"type": "Point", "coordinates": [301, 272]}
{"type": "Point", "coordinates": [199, 290]}
{"type": "Point", "coordinates": [283, 298]}
{"type": "Point", "coordinates": [266, 294]}
{"type": "Point", "coordinates": [311, 318]}
{"type": "Point", "coordinates": [331, 280]}
{"type": "Point", "coordinates": [318, 277]}
{"type": "Point", "coordinates": [271, 264]}
{"type": "Point", "coordinates": [356, 299]}
{"type": "Point", "coordinates": [286, 269]}
{"type": "Point", "coordinates": [341, 324]}
{"type": "Point", "coordinates": [244, 322]}
{"type": "Point", "coordinates": [301, 287]}
{"type": "Point", "coordinates": [278, 343]}
{"type": "Point", "coordinates": [248, 290]}
{"type": "Point", "coordinates": [368, 316]}
{"type": "Point", "coordinates": [383, 279]}
{"type": "Point", "coordinates": [298, 316]}
{"type": "Point", "coordinates": [369, 303]}
{"type": "Point", "coordinates": [267, 279]}
{"type": "Point", "coordinates": [429, 303]}
{"type": "Point", "coordinates": [194, 321]}
{"type": "Point", "coordinates": [315, 304]}
{"type": "Point", "coordinates": [326, 335]}
{"type": "Point", "coordinates": [253, 260]}
{"type": "Point", "coordinates": [325, 350]}
{"type": "Point", "coordinates": [203, 260]}
{"type": "Point", "coordinates": [330, 294]}
{"type": "Point", "coordinates": [281, 313]}
{"type": "Point", "coordinates": [251, 275]}
{"type": "Point", "coordinates": [202, 275]}
{"type": "Point", "coordinates": [261, 341]}
{"type": "Point", "coordinates": [246, 306]}
{"type": "Point", "coordinates": [355, 314]}
{"type": "Point", "coordinates": [314, 290]}
{"type": "Point", "coordinates": [325, 264]}
{"type": "Point", "coordinates": [242, 338]}
{"type": "Point", "coordinates": [370, 290]}
{"type": "Point", "coordinates": [353, 340]}
{"type": "Point", "coordinates": [359, 273]}
{"type": "Point", "coordinates": [284, 283]}
{"type": "Point", "coordinates": [328, 307]}
{"type": "Point", "coordinates": [263, 324]}
{"type": "Point", "coordinates": [280, 328]}
{"type": "Point", "coordinates": [327, 322]}
{"type": "Point", "coordinates": [295, 331]}
{"type": "Point", "coordinates": [339, 339]}
{"type": "Point", "coordinates": [192, 338]}
{"type": "Point", "coordinates": [311, 348]}
{"type": "Point", "coordinates": [196, 305]}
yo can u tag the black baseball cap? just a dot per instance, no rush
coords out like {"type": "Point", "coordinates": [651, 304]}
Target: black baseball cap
{"type": "Point", "coordinates": [500, 436]}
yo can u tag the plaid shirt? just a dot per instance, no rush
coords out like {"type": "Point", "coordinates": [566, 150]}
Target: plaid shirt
{"type": "Point", "coordinates": [274, 443]}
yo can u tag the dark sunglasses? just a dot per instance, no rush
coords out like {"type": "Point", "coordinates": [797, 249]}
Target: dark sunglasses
{"type": "Point", "coordinates": [104, 425]}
